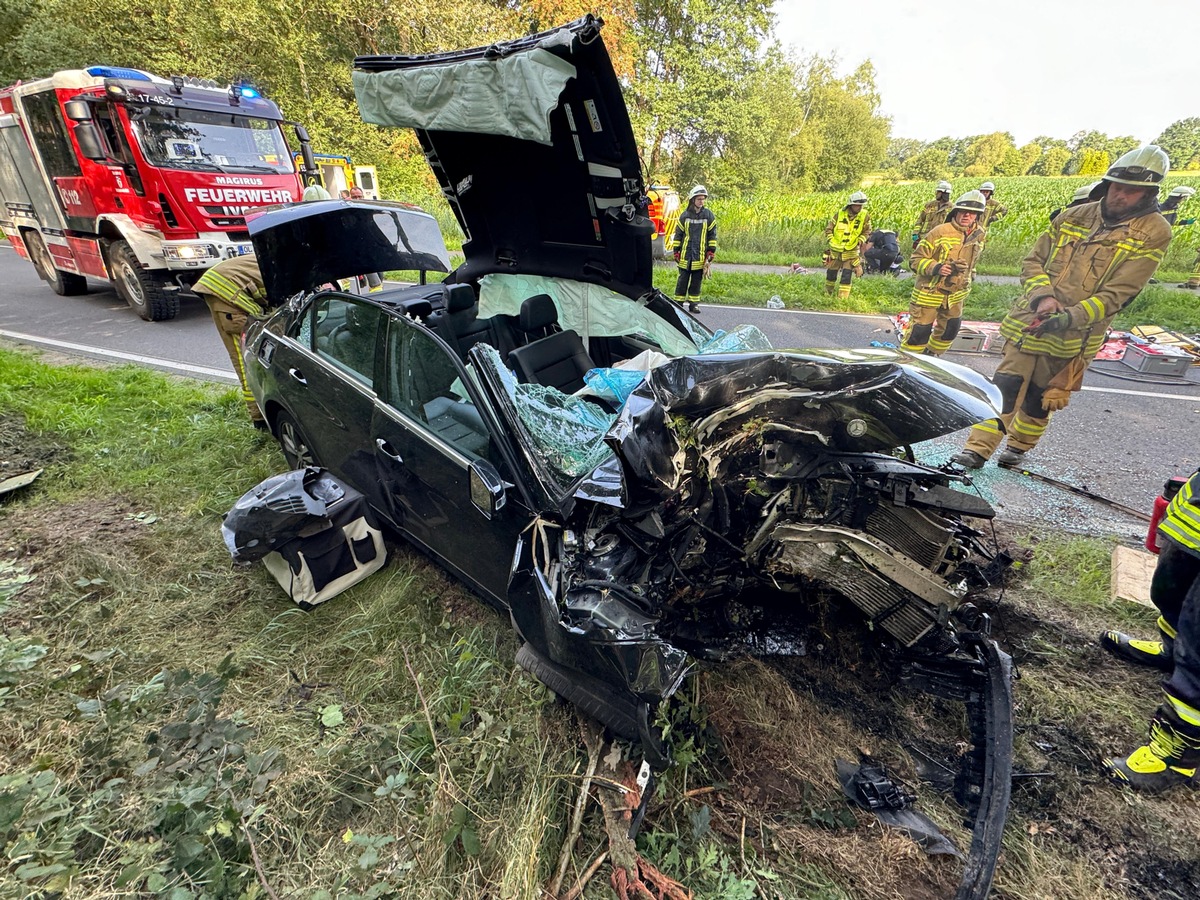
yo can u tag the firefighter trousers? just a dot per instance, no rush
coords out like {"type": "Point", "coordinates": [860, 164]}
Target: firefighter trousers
{"type": "Point", "coordinates": [231, 322]}
{"type": "Point", "coordinates": [1022, 378]}
{"type": "Point", "coordinates": [1175, 590]}
{"type": "Point", "coordinates": [932, 329]}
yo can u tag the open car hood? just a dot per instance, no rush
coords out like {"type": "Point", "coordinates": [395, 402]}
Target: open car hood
{"type": "Point", "coordinates": [532, 145]}
{"type": "Point", "coordinates": [302, 246]}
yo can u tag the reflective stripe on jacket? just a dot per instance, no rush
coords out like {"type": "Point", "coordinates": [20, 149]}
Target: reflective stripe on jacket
{"type": "Point", "coordinates": [947, 243]}
{"type": "Point", "coordinates": [695, 235]}
{"type": "Point", "coordinates": [846, 233]}
{"type": "Point", "coordinates": [1182, 520]}
{"type": "Point", "coordinates": [1093, 269]}
{"type": "Point", "coordinates": [932, 215]}
{"type": "Point", "coordinates": [237, 281]}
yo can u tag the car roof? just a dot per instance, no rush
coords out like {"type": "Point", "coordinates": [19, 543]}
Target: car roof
{"type": "Point", "coordinates": [531, 142]}
{"type": "Point", "coordinates": [301, 246]}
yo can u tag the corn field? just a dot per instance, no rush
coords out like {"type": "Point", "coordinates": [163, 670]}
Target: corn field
{"type": "Point", "coordinates": [794, 225]}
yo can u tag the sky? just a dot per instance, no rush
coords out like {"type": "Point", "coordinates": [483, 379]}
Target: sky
{"type": "Point", "coordinates": [1029, 67]}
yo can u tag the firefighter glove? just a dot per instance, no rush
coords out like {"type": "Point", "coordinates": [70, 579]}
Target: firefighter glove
{"type": "Point", "coordinates": [676, 256]}
{"type": "Point", "coordinates": [708, 257]}
{"type": "Point", "coordinates": [1055, 399]}
{"type": "Point", "coordinates": [1053, 324]}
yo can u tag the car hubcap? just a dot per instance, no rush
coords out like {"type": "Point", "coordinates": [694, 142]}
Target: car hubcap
{"type": "Point", "coordinates": [293, 445]}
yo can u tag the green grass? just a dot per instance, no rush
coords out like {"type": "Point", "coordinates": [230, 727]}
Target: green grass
{"type": "Point", "coordinates": [174, 727]}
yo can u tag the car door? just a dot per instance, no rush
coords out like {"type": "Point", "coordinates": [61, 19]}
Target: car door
{"type": "Point", "coordinates": [329, 386]}
{"type": "Point", "coordinates": [427, 432]}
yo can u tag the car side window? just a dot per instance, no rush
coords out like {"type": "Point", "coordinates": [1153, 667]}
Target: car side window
{"type": "Point", "coordinates": [346, 332]}
{"type": "Point", "coordinates": [424, 386]}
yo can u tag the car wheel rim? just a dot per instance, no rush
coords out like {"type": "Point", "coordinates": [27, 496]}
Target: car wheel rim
{"type": "Point", "coordinates": [293, 445]}
{"type": "Point", "coordinates": [132, 285]}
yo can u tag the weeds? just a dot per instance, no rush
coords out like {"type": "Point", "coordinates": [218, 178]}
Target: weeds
{"type": "Point", "coordinates": [173, 727]}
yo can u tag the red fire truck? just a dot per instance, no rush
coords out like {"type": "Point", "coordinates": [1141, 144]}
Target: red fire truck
{"type": "Point", "coordinates": [118, 174]}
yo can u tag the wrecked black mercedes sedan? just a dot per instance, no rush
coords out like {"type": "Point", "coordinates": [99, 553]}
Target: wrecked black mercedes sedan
{"type": "Point", "coordinates": [582, 452]}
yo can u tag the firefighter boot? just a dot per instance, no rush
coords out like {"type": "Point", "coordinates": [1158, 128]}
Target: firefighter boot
{"type": "Point", "coordinates": [1167, 760]}
{"type": "Point", "coordinates": [968, 459]}
{"type": "Point", "coordinates": [1010, 458]}
{"type": "Point", "coordinates": [844, 287]}
{"type": "Point", "coordinates": [1158, 654]}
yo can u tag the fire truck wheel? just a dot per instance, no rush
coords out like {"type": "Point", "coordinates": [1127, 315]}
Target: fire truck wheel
{"type": "Point", "coordinates": [144, 293]}
{"type": "Point", "coordinates": [65, 284]}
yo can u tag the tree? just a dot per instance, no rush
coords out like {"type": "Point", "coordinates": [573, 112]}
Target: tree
{"type": "Point", "coordinates": [899, 150]}
{"type": "Point", "coordinates": [928, 165]}
{"type": "Point", "coordinates": [1030, 154]}
{"type": "Point", "coordinates": [1088, 162]}
{"type": "Point", "coordinates": [1053, 161]}
{"type": "Point", "coordinates": [1119, 146]}
{"type": "Point", "coordinates": [1181, 141]}
{"type": "Point", "coordinates": [985, 154]}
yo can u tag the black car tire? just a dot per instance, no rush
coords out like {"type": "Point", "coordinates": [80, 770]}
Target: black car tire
{"type": "Point", "coordinates": [65, 284]}
{"type": "Point", "coordinates": [145, 294]}
{"type": "Point", "coordinates": [295, 446]}
{"type": "Point", "coordinates": [603, 703]}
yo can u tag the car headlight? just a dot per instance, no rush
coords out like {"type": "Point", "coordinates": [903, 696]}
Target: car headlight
{"type": "Point", "coordinates": [189, 251]}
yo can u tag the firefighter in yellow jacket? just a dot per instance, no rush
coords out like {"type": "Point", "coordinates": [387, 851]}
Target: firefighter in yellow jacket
{"type": "Point", "coordinates": [1093, 260]}
{"type": "Point", "coordinates": [235, 292]}
{"type": "Point", "coordinates": [1172, 754]}
{"type": "Point", "coordinates": [846, 233]}
{"type": "Point", "coordinates": [944, 263]}
{"type": "Point", "coordinates": [695, 244]}
{"type": "Point", "coordinates": [934, 212]}
{"type": "Point", "coordinates": [995, 209]}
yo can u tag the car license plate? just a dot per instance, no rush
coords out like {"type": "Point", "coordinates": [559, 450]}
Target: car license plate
{"type": "Point", "coordinates": [243, 249]}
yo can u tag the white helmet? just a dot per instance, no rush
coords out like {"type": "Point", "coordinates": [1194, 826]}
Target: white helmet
{"type": "Point", "coordinates": [1084, 192]}
{"type": "Point", "coordinates": [971, 201]}
{"type": "Point", "coordinates": [988, 186]}
{"type": "Point", "coordinates": [858, 197]}
{"type": "Point", "coordinates": [698, 191]}
{"type": "Point", "coordinates": [1182, 191]}
{"type": "Point", "coordinates": [1143, 167]}
{"type": "Point", "coordinates": [943, 187]}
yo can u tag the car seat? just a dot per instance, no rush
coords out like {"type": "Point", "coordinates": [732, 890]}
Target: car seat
{"type": "Point", "coordinates": [552, 357]}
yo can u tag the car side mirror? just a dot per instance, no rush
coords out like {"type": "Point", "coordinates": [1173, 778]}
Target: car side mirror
{"type": "Point", "coordinates": [88, 136]}
{"type": "Point", "coordinates": [487, 488]}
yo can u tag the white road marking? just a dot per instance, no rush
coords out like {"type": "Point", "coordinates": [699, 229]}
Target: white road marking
{"type": "Point", "coordinates": [182, 368]}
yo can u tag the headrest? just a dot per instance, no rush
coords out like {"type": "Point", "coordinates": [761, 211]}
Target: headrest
{"type": "Point", "coordinates": [418, 308]}
{"type": "Point", "coordinates": [537, 312]}
{"type": "Point", "coordinates": [459, 297]}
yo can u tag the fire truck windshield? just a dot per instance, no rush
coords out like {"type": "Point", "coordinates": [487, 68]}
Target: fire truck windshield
{"type": "Point", "coordinates": [195, 139]}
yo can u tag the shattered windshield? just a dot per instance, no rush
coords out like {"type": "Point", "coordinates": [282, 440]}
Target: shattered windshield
{"type": "Point", "coordinates": [565, 433]}
{"type": "Point", "coordinates": [210, 141]}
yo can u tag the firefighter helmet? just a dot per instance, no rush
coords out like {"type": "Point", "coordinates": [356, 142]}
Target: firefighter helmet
{"type": "Point", "coordinates": [943, 187]}
{"type": "Point", "coordinates": [858, 198]}
{"type": "Point", "coordinates": [1182, 191]}
{"type": "Point", "coordinates": [1142, 167]}
{"type": "Point", "coordinates": [315, 192]}
{"type": "Point", "coordinates": [1085, 192]}
{"type": "Point", "coordinates": [988, 186]}
{"type": "Point", "coordinates": [971, 201]}
{"type": "Point", "coordinates": [698, 191]}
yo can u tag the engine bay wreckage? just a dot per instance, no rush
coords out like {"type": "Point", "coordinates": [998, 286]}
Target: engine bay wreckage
{"type": "Point", "coordinates": [727, 477]}
{"type": "Point", "coordinates": [686, 504]}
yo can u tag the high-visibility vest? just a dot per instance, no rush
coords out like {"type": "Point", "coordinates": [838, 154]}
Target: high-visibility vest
{"type": "Point", "coordinates": [1181, 523]}
{"type": "Point", "coordinates": [847, 232]}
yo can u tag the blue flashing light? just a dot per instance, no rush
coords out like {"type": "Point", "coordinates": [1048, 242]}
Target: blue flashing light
{"type": "Point", "coordinates": [118, 72]}
{"type": "Point", "coordinates": [249, 92]}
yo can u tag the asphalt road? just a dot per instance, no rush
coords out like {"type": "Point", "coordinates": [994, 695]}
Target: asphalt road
{"type": "Point", "coordinates": [1119, 438]}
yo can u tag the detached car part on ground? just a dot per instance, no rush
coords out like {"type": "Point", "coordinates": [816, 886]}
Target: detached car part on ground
{"type": "Point", "coordinates": [627, 537]}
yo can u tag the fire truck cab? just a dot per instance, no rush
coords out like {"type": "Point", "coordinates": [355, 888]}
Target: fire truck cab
{"type": "Point", "coordinates": [117, 174]}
